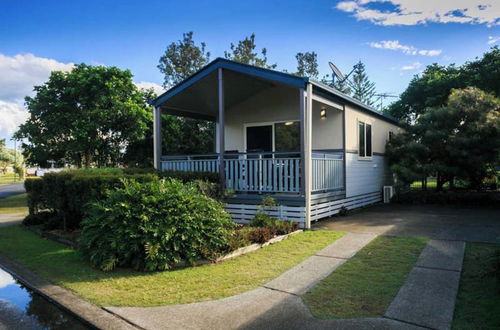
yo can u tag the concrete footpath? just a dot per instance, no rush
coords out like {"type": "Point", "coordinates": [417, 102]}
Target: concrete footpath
{"type": "Point", "coordinates": [428, 296]}
{"type": "Point", "coordinates": [276, 305]}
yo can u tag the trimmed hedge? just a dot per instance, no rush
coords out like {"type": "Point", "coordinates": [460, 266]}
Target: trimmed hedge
{"type": "Point", "coordinates": [57, 199]}
{"type": "Point", "coordinates": [183, 176]}
{"type": "Point", "coordinates": [63, 195]}
{"type": "Point", "coordinates": [465, 198]}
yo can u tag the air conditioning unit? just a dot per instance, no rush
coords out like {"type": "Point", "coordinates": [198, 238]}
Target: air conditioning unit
{"type": "Point", "coordinates": [388, 192]}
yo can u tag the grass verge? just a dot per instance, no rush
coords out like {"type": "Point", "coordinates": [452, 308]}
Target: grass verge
{"type": "Point", "coordinates": [14, 204]}
{"type": "Point", "coordinates": [8, 179]}
{"type": "Point", "coordinates": [365, 285]}
{"type": "Point", "coordinates": [65, 267]}
{"type": "Point", "coordinates": [478, 300]}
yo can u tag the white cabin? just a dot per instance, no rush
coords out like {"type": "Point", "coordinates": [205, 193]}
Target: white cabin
{"type": "Point", "coordinates": [311, 147]}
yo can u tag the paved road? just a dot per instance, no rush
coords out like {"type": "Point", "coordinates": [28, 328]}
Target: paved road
{"type": "Point", "coordinates": [436, 222]}
{"type": "Point", "coordinates": [12, 189]}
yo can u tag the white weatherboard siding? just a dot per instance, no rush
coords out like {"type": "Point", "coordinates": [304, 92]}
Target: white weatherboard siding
{"type": "Point", "coordinates": [364, 176]}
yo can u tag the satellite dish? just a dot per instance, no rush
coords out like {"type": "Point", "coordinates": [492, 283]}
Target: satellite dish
{"type": "Point", "coordinates": [336, 71]}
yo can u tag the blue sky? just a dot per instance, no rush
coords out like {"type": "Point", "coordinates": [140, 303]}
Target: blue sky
{"type": "Point", "coordinates": [395, 38]}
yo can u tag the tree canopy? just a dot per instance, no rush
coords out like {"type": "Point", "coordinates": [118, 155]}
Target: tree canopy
{"type": "Point", "coordinates": [85, 117]}
{"type": "Point", "coordinates": [434, 85]}
{"type": "Point", "coordinates": [307, 64]}
{"type": "Point", "coordinates": [181, 59]}
{"type": "Point", "coordinates": [244, 52]}
{"type": "Point", "coordinates": [460, 139]}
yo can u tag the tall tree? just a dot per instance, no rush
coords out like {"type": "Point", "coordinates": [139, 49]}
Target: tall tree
{"type": "Point", "coordinates": [183, 135]}
{"type": "Point", "coordinates": [85, 117]}
{"type": "Point", "coordinates": [362, 88]}
{"type": "Point", "coordinates": [244, 52]}
{"type": "Point", "coordinates": [458, 140]}
{"type": "Point", "coordinates": [307, 64]}
{"type": "Point", "coordinates": [432, 88]}
{"type": "Point", "coordinates": [181, 59]}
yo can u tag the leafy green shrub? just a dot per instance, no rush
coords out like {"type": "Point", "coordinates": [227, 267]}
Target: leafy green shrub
{"type": "Point", "coordinates": [65, 194]}
{"type": "Point", "coordinates": [262, 219]}
{"type": "Point", "coordinates": [154, 226]}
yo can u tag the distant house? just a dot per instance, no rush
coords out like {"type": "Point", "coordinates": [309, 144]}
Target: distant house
{"type": "Point", "coordinates": [312, 148]}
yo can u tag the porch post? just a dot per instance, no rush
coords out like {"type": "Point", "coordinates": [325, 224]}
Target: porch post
{"type": "Point", "coordinates": [220, 126]}
{"type": "Point", "coordinates": [306, 149]}
{"type": "Point", "coordinates": [157, 138]}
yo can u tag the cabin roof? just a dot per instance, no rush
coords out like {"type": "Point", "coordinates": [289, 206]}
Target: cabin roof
{"type": "Point", "coordinates": [270, 75]}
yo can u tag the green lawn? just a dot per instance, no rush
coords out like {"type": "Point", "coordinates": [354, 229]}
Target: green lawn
{"type": "Point", "coordinates": [65, 267]}
{"type": "Point", "coordinates": [14, 204]}
{"type": "Point", "coordinates": [8, 179]}
{"type": "Point", "coordinates": [478, 300]}
{"type": "Point", "coordinates": [365, 285]}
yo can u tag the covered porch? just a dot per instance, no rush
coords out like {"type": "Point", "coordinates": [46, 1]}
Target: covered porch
{"type": "Point", "coordinates": [275, 134]}
{"type": "Point", "coordinates": [265, 172]}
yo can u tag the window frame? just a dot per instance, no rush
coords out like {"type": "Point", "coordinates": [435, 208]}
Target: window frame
{"type": "Point", "coordinates": [366, 124]}
{"type": "Point", "coordinates": [265, 123]}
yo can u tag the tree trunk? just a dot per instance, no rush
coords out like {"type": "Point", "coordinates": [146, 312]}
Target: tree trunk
{"type": "Point", "coordinates": [424, 184]}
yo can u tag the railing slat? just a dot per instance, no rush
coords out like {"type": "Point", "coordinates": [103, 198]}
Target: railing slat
{"type": "Point", "coordinates": [266, 174]}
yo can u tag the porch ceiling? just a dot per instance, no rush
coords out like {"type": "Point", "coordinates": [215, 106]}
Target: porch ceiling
{"type": "Point", "coordinates": [199, 100]}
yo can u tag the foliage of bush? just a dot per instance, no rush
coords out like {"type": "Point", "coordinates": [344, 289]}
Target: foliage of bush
{"type": "Point", "coordinates": [65, 194]}
{"type": "Point", "coordinates": [262, 219]}
{"type": "Point", "coordinates": [154, 226]}
{"type": "Point", "coordinates": [41, 218]}
{"type": "Point", "coordinates": [466, 198]}
{"type": "Point", "coordinates": [184, 176]}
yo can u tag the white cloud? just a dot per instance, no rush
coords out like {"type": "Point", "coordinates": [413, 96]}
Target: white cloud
{"type": "Point", "coordinates": [18, 75]}
{"type": "Point", "coordinates": [413, 12]}
{"type": "Point", "coordinates": [147, 85]}
{"type": "Point", "coordinates": [13, 114]}
{"type": "Point", "coordinates": [493, 40]}
{"type": "Point", "coordinates": [412, 66]}
{"type": "Point", "coordinates": [406, 49]}
{"type": "Point", "coordinates": [5, 279]}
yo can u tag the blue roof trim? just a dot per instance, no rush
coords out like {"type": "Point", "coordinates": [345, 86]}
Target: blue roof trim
{"type": "Point", "coordinates": [281, 77]}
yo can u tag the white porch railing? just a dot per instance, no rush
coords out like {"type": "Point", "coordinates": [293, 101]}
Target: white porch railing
{"type": "Point", "coordinates": [328, 172]}
{"type": "Point", "coordinates": [265, 172]}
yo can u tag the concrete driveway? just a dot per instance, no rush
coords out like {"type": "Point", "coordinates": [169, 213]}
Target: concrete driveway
{"type": "Point", "coordinates": [436, 222]}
